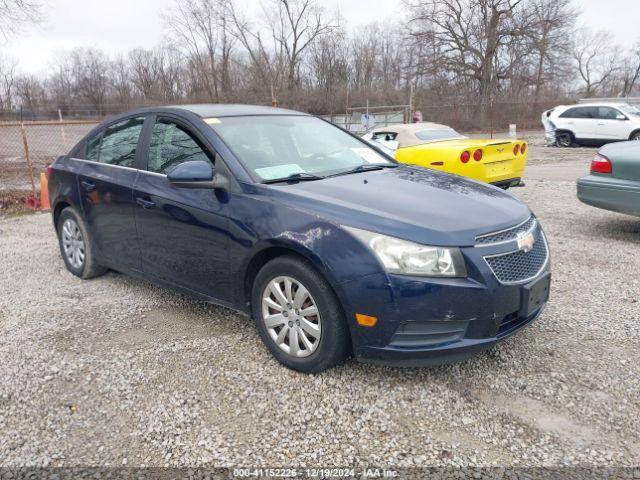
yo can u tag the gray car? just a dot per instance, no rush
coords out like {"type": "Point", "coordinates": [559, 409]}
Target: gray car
{"type": "Point", "coordinates": [614, 182]}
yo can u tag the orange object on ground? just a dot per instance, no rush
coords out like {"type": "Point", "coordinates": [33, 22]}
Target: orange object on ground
{"type": "Point", "coordinates": [44, 192]}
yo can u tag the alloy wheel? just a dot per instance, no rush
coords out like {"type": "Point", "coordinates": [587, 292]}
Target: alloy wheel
{"type": "Point", "coordinates": [291, 316]}
{"type": "Point", "coordinates": [73, 243]}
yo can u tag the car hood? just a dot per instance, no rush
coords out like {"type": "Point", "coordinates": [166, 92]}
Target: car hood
{"type": "Point", "coordinates": [415, 204]}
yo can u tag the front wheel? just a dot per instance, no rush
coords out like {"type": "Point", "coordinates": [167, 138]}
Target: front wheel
{"type": "Point", "coordinates": [298, 316]}
{"type": "Point", "coordinates": [635, 136]}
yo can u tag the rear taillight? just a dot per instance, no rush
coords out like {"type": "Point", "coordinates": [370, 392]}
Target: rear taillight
{"type": "Point", "coordinates": [523, 148]}
{"type": "Point", "coordinates": [600, 164]}
{"type": "Point", "coordinates": [516, 149]}
{"type": "Point", "coordinates": [465, 156]}
{"type": "Point", "coordinates": [477, 155]}
{"type": "Point", "coordinates": [48, 170]}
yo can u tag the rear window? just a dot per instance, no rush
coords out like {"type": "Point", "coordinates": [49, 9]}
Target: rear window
{"type": "Point", "coordinates": [438, 134]}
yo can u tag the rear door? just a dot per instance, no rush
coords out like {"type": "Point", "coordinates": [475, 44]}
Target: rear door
{"type": "Point", "coordinates": [106, 189]}
{"type": "Point", "coordinates": [183, 232]}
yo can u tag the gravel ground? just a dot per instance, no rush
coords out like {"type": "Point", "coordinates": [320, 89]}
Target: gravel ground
{"type": "Point", "coordinates": [116, 371]}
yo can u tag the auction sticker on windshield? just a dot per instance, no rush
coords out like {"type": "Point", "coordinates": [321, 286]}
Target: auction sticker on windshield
{"type": "Point", "coordinates": [279, 171]}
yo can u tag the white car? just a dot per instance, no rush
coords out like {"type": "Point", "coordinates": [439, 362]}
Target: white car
{"type": "Point", "coordinates": [593, 123]}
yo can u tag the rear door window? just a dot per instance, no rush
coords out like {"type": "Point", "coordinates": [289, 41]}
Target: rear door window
{"type": "Point", "coordinates": [119, 143]}
{"type": "Point", "coordinates": [581, 112]}
{"type": "Point", "coordinates": [93, 147]}
{"type": "Point", "coordinates": [172, 144]}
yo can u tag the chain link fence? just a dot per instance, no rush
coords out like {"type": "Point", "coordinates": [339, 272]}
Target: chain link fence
{"type": "Point", "coordinates": [26, 148]}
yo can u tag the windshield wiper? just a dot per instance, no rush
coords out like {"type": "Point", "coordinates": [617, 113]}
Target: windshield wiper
{"type": "Point", "coordinates": [365, 167]}
{"type": "Point", "coordinates": [294, 177]}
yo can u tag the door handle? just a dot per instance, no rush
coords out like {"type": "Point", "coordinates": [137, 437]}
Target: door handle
{"type": "Point", "coordinates": [145, 203]}
{"type": "Point", "coordinates": [88, 186]}
{"type": "Point", "coordinates": [600, 123]}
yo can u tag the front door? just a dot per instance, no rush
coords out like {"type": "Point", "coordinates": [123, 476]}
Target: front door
{"type": "Point", "coordinates": [182, 232]}
{"type": "Point", "coordinates": [609, 126]}
{"type": "Point", "coordinates": [106, 181]}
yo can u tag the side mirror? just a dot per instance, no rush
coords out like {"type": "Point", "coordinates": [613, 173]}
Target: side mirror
{"type": "Point", "coordinates": [620, 117]}
{"type": "Point", "coordinates": [193, 174]}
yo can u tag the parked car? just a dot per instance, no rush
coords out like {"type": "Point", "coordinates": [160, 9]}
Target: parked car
{"type": "Point", "coordinates": [614, 182]}
{"type": "Point", "coordinates": [594, 123]}
{"type": "Point", "coordinates": [331, 246]}
{"type": "Point", "coordinates": [500, 162]}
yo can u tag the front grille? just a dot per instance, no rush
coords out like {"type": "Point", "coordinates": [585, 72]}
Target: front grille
{"type": "Point", "coordinates": [520, 266]}
{"type": "Point", "coordinates": [507, 235]}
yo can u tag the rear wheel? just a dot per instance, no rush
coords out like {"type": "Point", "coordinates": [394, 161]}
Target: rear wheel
{"type": "Point", "coordinates": [635, 136]}
{"type": "Point", "coordinates": [76, 247]}
{"type": "Point", "coordinates": [298, 316]}
{"type": "Point", "coordinates": [564, 139]}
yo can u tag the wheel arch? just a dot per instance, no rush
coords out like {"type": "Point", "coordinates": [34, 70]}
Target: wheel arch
{"type": "Point", "coordinates": [268, 253]}
{"type": "Point", "coordinates": [634, 132]}
{"type": "Point", "coordinates": [57, 210]}
{"type": "Point", "coordinates": [565, 130]}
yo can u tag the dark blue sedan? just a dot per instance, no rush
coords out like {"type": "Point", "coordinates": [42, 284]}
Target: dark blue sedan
{"type": "Point", "coordinates": [331, 246]}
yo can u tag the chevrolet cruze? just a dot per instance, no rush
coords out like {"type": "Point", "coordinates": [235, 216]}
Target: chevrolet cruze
{"type": "Point", "coordinates": [331, 246]}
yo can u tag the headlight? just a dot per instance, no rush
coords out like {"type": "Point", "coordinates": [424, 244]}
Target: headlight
{"type": "Point", "coordinates": [409, 258]}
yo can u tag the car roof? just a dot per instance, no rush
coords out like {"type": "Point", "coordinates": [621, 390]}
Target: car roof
{"type": "Point", "coordinates": [406, 132]}
{"type": "Point", "coordinates": [207, 110]}
{"type": "Point", "coordinates": [595, 104]}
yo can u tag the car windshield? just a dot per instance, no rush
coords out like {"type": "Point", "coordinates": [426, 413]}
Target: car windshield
{"type": "Point", "coordinates": [281, 146]}
{"type": "Point", "coordinates": [438, 134]}
{"type": "Point", "coordinates": [631, 110]}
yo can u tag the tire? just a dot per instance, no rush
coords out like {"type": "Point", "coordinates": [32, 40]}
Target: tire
{"type": "Point", "coordinates": [635, 136]}
{"type": "Point", "coordinates": [564, 139]}
{"type": "Point", "coordinates": [331, 346]}
{"type": "Point", "coordinates": [76, 247]}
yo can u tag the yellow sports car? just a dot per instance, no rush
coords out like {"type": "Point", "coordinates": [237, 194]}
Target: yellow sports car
{"type": "Point", "coordinates": [431, 145]}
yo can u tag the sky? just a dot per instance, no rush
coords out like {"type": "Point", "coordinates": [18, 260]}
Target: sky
{"type": "Point", "coordinates": [119, 25]}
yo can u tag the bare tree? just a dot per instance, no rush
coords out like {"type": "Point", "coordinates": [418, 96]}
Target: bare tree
{"type": "Point", "coordinates": [630, 71]}
{"type": "Point", "coordinates": [475, 38]}
{"type": "Point", "coordinates": [554, 21]}
{"type": "Point", "coordinates": [295, 25]}
{"type": "Point", "coordinates": [89, 69]}
{"type": "Point", "coordinates": [7, 81]}
{"type": "Point", "coordinates": [265, 63]}
{"type": "Point", "coordinates": [31, 92]}
{"type": "Point", "coordinates": [121, 80]}
{"type": "Point", "coordinates": [15, 13]}
{"type": "Point", "coordinates": [595, 57]}
{"type": "Point", "coordinates": [201, 27]}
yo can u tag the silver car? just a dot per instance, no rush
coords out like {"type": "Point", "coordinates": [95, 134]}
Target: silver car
{"type": "Point", "coordinates": [614, 182]}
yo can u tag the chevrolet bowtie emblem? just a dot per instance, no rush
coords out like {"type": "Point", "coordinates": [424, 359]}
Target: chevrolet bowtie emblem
{"type": "Point", "coordinates": [525, 242]}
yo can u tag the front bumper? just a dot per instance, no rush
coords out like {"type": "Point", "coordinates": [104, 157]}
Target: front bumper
{"type": "Point", "coordinates": [423, 321]}
{"type": "Point", "coordinates": [610, 193]}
